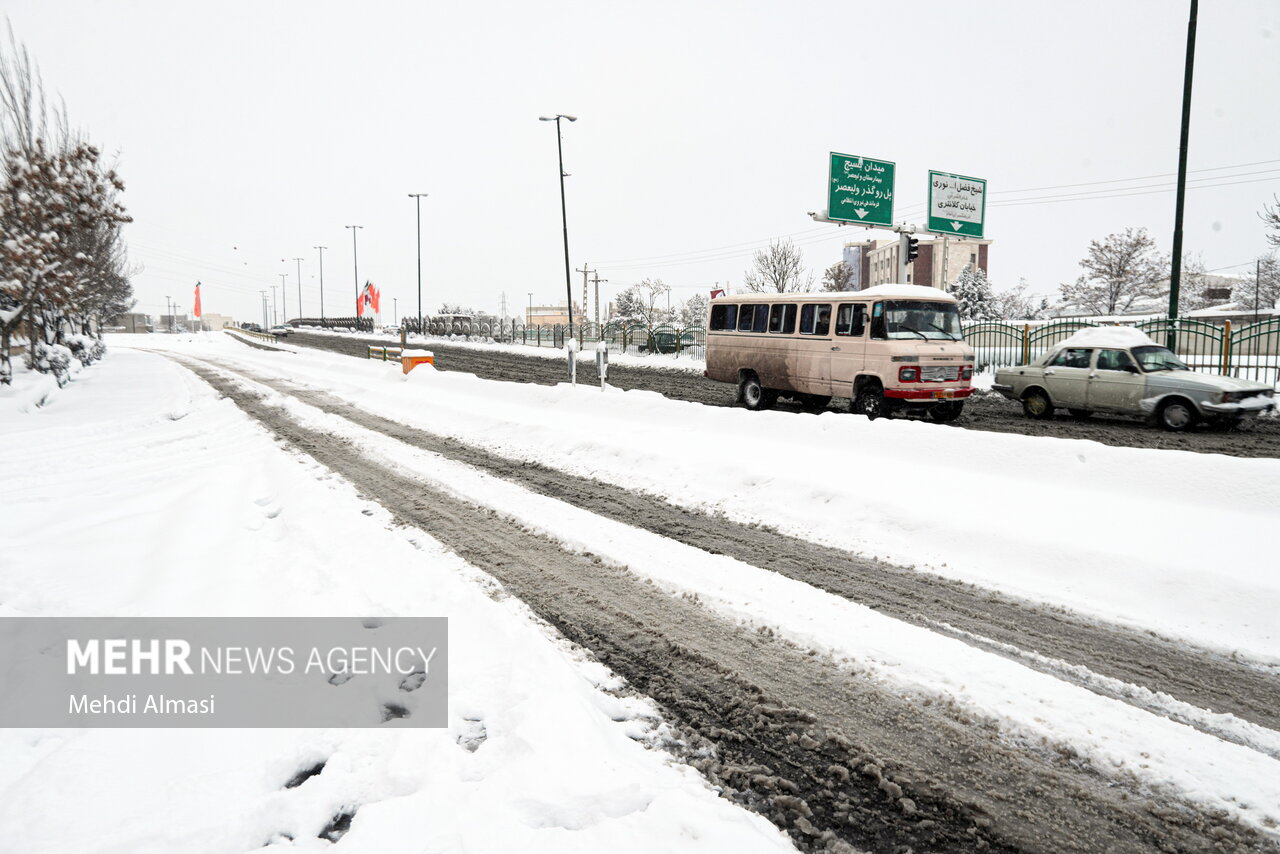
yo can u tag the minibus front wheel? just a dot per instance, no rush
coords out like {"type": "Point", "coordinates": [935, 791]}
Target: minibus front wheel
{"type": "Point", "coordinates": [752, 395]}
{"type": "Point", "coordinates": [870, 401]}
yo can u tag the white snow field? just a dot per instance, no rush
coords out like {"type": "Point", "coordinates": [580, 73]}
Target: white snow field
{"type": "Point", "coordinates": [136, 491]}
{"type": "Point", "coordinates": [1155, 539]}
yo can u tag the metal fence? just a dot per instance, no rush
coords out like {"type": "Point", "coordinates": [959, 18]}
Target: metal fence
{"type": "Point", "coordinates": [1249, 351]}
{"type": "Point", "coordinates": [621, 337]}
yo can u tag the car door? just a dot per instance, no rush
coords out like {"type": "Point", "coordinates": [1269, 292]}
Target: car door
{"type": "Point", "coordinates": [1116, 384]}
{"type": "Point", "coordinates": [1067, 377]}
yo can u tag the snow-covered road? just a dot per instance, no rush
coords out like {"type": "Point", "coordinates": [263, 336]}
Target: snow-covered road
{"type": "Point", "coordinates": [902, 491]}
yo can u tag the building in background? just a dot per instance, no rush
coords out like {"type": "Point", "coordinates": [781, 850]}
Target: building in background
{"type": "Point", "coordinates": [216, 322]}
{"type": "Point", "coordinates": [938, 264]}
{"type": "Point", "coordinates": [551, 315]}
{"type": "Point", "coordinates": [130, 322]}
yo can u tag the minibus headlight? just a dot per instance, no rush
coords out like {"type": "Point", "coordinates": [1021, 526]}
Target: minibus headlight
{"type": "Point", "coordinates": [967, 373]}
{"type": "Point", "coordinates": [908, 375]}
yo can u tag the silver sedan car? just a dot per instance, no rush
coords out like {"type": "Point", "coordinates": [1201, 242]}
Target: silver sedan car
{"type": "Point", "coordinates": [1118, 374]}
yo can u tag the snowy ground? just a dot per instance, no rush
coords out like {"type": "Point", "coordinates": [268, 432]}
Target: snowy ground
{"type": "Point", "coordinates": [135, 491]}
{"type": "Point", "coordinates": [1125, 535]}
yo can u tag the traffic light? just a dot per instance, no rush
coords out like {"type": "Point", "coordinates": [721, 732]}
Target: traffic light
{"type": "Point", "coordinates": [913, 248]}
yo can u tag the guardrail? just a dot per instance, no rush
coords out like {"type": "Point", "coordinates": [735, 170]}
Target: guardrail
{"type": "Point", "coordinates": [261, 336]}
{"type": "Point", "coordinates": [386, 354]}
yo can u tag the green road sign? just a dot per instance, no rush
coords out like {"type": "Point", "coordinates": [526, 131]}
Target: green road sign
{"type": "Point", "coordinates": [861, 190]}
{"type": "Point", "coordinates": [957, 204]}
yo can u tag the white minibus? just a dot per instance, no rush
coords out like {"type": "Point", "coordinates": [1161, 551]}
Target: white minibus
{"type": "Point", "coordinates": [889, 349]}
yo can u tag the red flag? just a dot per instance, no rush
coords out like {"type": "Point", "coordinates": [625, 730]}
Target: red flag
{"type": "Point", "coordinates": [376, 298]}
{"type": "Point", "coordinates": [360, 305]}
{"type": "Point", "coordinates": [718, 292]}
{"type": "Point", "coordinates": [197, 309]}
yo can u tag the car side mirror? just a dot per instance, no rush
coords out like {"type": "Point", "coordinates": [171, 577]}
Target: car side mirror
{"type": "Point", "coordinates": [1133, 369]}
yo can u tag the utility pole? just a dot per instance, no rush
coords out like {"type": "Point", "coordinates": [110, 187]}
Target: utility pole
{"type": "Point", "coordinates": [274, 313]}
{"type": "Point", "coordinates": [265, 325]}
{"type": "Point", "coordinates": [299, 260]}
{"type": "Point", "coordinates": [321, 248]}
{"type": "Point", "coordinates": [284, 300]}
{"type": "Point", "coordinates": [355, 266]}
{"type": "Point", "coordinates": [168, 306]}
{"type": "Point", "coordinates": [597, 280]}
{"type": "Point", "coordinates": [395, 310]}
{"type": "Point", "coordinates": [528, 320]}
{"type": "Point", "coordinates": [1175, 275]}
{"type": "Point", "coordinates": [585, 271]}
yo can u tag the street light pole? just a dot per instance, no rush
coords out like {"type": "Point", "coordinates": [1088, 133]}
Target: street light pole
{"type": "Point", "coordinates": [265, 325]}
{"type": "Point", "coordinates": [417, 198]}
{"type": "Point", "coordinates": [564, 216]}
{"type": "Point", "coordinates": [528, 321]}
{"type": "Point", "coordinates": [274, 314]}
{"type": "Point", "coordinates": [355, 266]}
{"type": "Point", "coordinates": [299, 260]}
{"type": "Point", "coordinates": [321, 248]}
{"type": "Point", "coordinates": [1175, 275]}
{"type": "Point", "coordinates": [168, 304]}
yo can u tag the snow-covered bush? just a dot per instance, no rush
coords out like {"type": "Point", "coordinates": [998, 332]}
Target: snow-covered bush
{"type": "Point", "coordinates": [53, 359]}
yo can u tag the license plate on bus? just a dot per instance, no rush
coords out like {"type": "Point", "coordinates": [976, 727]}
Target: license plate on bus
{"type": "Point", "coordinates": [944, 392]}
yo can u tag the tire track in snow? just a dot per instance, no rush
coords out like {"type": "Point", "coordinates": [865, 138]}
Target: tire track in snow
{"type": "Point", "coordinates": [1039, 636]}
{"type": "Point", "coordinates": [835, 760]}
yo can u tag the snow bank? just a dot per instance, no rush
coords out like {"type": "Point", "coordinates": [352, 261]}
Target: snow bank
{"type": "Point", "coordinates": [146, 494]}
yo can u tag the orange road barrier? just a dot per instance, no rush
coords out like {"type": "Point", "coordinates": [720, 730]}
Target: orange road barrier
{"type": "Point", "coordinates": [410, 359]}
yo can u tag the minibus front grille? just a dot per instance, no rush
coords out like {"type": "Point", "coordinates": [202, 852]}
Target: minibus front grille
{"type": "Point", "coordinates": [939, 373]}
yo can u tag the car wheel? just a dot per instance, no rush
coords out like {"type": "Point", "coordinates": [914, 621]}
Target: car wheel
{"type": "Point", "coordinates": [944, 412]}
{"type": "Point", "coordinates": [754, 396]}
{"type": "Point", "coordinates": [1035, 404]}
{"type": "Point", "coordinates": [1080, 414]}
{"type": "Point", "coordinates": [1177, 415]}
{"type": "Point", "coordinates": [871, 402]}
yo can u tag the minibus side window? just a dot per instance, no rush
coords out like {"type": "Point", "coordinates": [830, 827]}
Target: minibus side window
{"type": "Point", "coordinates": [851, 319]}
{"type": "Point", "coordinates": [815, 320]}
{"type": "Point", "coordinates": [761, 323]}
{"type": "Point", "coordinates": [744, 318]}
{"type": "Point", "coordinates": [783, 318]}
{"type": "Point", "coordinates": [724, 317]}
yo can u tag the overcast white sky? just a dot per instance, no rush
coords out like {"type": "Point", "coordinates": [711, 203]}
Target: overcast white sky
{"type": "Point", "coordinates": [250, 132]}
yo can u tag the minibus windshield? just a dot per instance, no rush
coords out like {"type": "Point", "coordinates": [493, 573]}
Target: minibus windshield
{"type": "Point", "coordinates": [921, 319]}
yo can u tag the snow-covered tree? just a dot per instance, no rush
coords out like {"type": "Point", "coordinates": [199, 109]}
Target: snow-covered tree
{"type": "Point", "coordinates": [778, 269]}
{"type": "Point", "coordinates": [1016, 304]}
{"type": "Point", "coordinates": [62, 261]}
{"type": "Point", "coordinates": [640, 303]}
{"type": "Point", "coordinates": [838, 277]}
{"type": "Point", "coordinates": [693, 312]}
{"type": "Point", "coordinates": [1119, 273]}
{"type": "Point", "coordinates": [973, 292]}
{"type": "Point", "coordinates": [1261, 286]}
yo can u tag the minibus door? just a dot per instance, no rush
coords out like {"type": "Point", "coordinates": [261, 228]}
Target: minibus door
{"type": "Point", "coordinates": [849, 346]}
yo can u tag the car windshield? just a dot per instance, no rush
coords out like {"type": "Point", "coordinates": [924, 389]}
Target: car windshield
{"type": "Point", "coordinates": [1158, 359]}
{"type": "Point", "coordinates": [918, 319]}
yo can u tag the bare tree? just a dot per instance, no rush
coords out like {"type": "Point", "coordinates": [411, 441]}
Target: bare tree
{"type": "Point", "coordinates": [1270, 217]}
{"type": "Point", "coordinates": [1119, 272]}
{"type": "Point", "coordinates": [838, 277]}
{"type": "Point", "coordinates": [778, 269]}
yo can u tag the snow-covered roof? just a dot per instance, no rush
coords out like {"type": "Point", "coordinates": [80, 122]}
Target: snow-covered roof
{"type": "Point", "coordinates": [1109, 336]}
{"type": "Point", "coordinates": [905, 292]}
